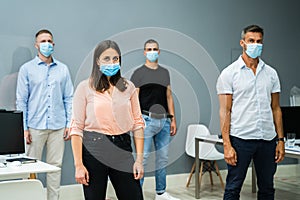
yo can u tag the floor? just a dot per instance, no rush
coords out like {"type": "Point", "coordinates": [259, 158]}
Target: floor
{"type": "Point", "coordinates": [287, 187]}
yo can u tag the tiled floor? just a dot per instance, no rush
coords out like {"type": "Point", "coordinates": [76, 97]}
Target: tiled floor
{"type": "Point", "coordinates": [287, 185]}
{"type": "Point", "coordinates": [286, 188]}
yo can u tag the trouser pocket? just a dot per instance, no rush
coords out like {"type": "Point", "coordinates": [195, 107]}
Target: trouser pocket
{"type": "Point", "coordinates": [112, 151]}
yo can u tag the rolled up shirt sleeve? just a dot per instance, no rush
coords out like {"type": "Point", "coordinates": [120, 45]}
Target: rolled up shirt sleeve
{"type": "Point", "coordinates": [136, 111]}
{"type": "Point", "coordinates": [78, 111]}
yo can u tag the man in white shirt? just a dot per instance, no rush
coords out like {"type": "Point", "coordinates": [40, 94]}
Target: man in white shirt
{"type": "Point", "coordinates": [250, 117]}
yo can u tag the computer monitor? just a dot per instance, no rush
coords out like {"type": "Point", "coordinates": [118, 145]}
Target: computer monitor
{"type": "Point", "coordinates": [291, 120]}
{"type": "Point", "coordinates": [11, 132]}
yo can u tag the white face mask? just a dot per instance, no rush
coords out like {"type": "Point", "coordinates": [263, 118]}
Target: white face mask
{"type": "Point", "coordinates": [110, 69]}
{"type": "Point", "coordinates": [46, 48]}
{"type": "Point", "coordinates": [254, 50]}
{"type": "Point", "coordinates": [152, 56]}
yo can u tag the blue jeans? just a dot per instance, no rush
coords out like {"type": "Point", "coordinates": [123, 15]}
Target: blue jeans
{"type": "Point", "coordinates": [157, 130]}
{"type": "Point", "coordinates": [263, 154]}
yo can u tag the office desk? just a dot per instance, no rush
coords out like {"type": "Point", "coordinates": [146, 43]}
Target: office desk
{"type": "Point", "coordinates": [288, 153]}
{"type": "Point", "coordinates": [23, 171]}
{"type": "Point", "coordinates": [292, 154]}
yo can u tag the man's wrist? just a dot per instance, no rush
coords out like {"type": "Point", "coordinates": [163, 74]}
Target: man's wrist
{"type": "Point", "coordinates": [173, 118]}
{"type": "Point", "coordinates": [280, 139]}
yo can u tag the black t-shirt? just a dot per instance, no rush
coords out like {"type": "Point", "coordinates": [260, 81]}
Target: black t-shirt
{"type": "Point", "coordinates": [153, 88]}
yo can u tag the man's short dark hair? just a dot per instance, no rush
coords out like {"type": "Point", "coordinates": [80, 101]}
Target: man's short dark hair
{"type": "Point", "coordinates": [43, 31]}
{"type": "Point", "coordinates": [252, 28]}
{"type": "Point", "coordinates": [150, 41]}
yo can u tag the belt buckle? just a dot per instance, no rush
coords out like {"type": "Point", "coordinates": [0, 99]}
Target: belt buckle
{"type": "Point", "coordinates": [150, 114]}
{"type": "Point", "coordinates": [153, 115]}
{"type": "Point", "coordinates": [157, 116]}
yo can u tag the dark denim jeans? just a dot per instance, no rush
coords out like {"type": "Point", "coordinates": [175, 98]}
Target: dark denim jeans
{"type": "Point", "coordinates": [263, 154]}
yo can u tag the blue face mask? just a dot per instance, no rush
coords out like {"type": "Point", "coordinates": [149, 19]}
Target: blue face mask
{"type": "Point", "coordinates": [110, 69]}
{"type": "Point", "coordinates": [152, 56]}
{"type": "Point", "coordinates": [254, 50]}
{"type": "Point", "coordinates": [46, 48]}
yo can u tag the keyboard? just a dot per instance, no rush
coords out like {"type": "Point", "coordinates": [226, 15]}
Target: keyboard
{"type": "Point", "coordinates": [23, 160]}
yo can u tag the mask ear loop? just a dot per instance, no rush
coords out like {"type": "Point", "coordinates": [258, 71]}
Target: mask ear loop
{"type": "Point", "coordinates": [245, 45]}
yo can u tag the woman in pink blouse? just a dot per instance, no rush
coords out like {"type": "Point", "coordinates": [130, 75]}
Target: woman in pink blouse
{"type": "Point", "coordinates": [105, 109]}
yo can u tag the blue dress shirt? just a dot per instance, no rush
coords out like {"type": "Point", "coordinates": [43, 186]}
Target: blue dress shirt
{"type": "Point", "coordinates": [44, 94]}
{"type": "Point", "coordinates": [251, 113]}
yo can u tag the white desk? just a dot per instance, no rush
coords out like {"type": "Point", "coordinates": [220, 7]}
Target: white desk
{"type": "Point", "coordinates": [288, 153]}
{"type": "Point", "coordinates": [23, 171]}
{"type": "Point", "coordinates": [292, 153]}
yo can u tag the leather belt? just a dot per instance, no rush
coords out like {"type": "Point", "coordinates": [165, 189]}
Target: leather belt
{"type": "Point", "coordinates": [156, 116]}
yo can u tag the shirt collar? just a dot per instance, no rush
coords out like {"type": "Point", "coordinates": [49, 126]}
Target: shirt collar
{"type": "Point", "coordinates": [242, 64]}
{"type": "Point", "coordinates": [40, 62]}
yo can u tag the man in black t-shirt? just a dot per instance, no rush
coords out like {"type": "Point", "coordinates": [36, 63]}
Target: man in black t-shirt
{"type": "Point", "coordinates": [157, 105]}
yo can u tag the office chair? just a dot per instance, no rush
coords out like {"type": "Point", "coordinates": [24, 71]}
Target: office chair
{"type": "Point", "coordinates": [24, 189]}
{"type": "Point", "coordinates": [208, 154]}
{"type": "Point", "coordinates": [295, 96]}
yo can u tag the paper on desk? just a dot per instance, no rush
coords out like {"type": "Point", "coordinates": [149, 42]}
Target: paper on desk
{"type": "Point", "coordinates": [295, 148]}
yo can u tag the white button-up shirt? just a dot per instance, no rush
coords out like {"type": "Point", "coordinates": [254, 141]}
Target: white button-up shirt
{"type": "Point", "coordinates": [251, 113]}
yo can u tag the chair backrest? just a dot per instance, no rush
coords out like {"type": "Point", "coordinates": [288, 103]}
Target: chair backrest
{"type": "Point", "coordinates": [295, 96]}
{"type": "Point", "coordinates": [205, 149]}
{"type": "Point", "coordinates": [25, 189]}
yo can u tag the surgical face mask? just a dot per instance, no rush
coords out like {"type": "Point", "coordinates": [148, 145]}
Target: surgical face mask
{"type": "Point", "coordinates": [110, 69]}
{"type": "Point", "coordinates": [254, 50]}
{"type": "Point", "coordinates": [152, 56]}
{"type": "Point", "coordinates": [46, 48]}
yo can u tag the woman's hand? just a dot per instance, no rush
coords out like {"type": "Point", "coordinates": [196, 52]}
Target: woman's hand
{"type": "Point", "coordinates": [81, 175]}
{"type": "Point", "coordinates": [138, 170]}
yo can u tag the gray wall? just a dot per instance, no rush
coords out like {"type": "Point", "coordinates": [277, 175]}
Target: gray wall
{"type": "Point", "coordinates": [198, 39]}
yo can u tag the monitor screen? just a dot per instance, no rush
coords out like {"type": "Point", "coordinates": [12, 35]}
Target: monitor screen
{"type": "Point", "coordinates": [11, 132]}
{"type": "Point", "coordinates": [291, 120]}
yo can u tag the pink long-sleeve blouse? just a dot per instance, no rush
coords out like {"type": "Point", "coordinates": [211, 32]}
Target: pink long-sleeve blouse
{"type": "Point", "coordinates": [104, 113]}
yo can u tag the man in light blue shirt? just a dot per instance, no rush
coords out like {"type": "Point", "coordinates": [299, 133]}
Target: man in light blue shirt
{"type": "Point", "coordinates": [250, 118]}
{"type": "Point", "coordinates": [44, 94]}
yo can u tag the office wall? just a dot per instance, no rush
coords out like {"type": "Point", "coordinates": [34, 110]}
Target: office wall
{"type": "Point", "coordinates": [198, 38]}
